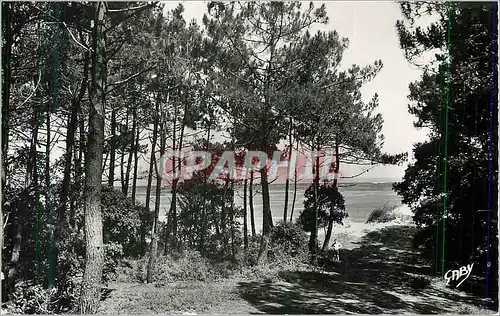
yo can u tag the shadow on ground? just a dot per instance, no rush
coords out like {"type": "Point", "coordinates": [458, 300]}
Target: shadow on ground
{"type": "Point", "coordinates": [377, 277]}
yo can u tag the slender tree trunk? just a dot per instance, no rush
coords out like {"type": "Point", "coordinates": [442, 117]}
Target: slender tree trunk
{"type": "Point", "coordinates": [152, 157]}
{"type": "Point", "coordinates": [245, 214]}
{"type": "Point", "coordinates": [266, 218]}
{"type": "Point", "coordinates": [172, 218]}
{"type": "Point", "coordinates": [112, 149]}
{"type": "Point", "coordinates": [287, 181]}
{"type": "Point", "coordinates": [250, 196]}
{"type": "Point", "coordinates": [132, 150]}
{"type": "Point", "coordinates": [6, 82]}
{"type": "Point", "coordinates": [22, 210]}
{"type": "Point", "coordinates": [151, 166]}
{"type": "Point", "coordinates": [223, 221]}
{"type": "Point", "coordinates": [48, 197]}
{"type": "Point", "coordinates": [295, 180]}
{"type": "Point", "coordinates": [176, 181]}
{"type": "Point", "coordinates": [331, 219]}
{"type": "Point", "coordinates": [122, 163]}
{"type": "Point", "coordinates": [159, 173]}
{"type": "Point", "coordinates": [313, 240]}
{"type": "Point", "coordinates": [203, 223]}
{"type": "Point", "coordinates": [136, 165]}
{"type": "Point", "coordinates": [94, 252]}
{"type": "Point", "coordinates": [79, 160]}
{"type": "Point", "coordinates": [231, 196]}
{"type": "Point", "coordinates": [267, 221]}
{"type": "Point", "coordinates": [70, 141]}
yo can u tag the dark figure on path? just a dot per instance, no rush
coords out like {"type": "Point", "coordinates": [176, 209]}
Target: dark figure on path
{"type": "Point", "coordinates": [336, 247]}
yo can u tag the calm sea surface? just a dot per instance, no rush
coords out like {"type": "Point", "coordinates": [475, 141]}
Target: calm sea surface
{"type": "Point", "coordinates": [360, 198]}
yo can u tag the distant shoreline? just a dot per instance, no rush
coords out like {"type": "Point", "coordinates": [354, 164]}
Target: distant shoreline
{"type": "Point", "coordinates": [299, 185]}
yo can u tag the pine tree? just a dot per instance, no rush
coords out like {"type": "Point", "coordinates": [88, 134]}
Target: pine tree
{"type": "Point", "coordinates": [451, 185]}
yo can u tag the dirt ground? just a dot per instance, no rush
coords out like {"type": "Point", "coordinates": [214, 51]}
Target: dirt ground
{"type": "Point", "coordinates": [374, 277]}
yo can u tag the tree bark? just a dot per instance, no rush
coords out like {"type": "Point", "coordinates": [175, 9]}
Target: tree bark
{"type": "Point", "coordinates": [171, 236]}
{"type": "Point", "coordinates": [295, 180]}
{"type": "Point", "coordinates": [175, 182]}
{"type": "Point", "coordinates": [94, 252]}
{"type": "Point", "coordinates": [287, 181]}
{"type": "Point", "coordinates": [245, 214]}
{"type": "Point", "coordinates": [112, 149]}
{"type": "Point", "coordinates": [6, 83]}
{"type": "Point", "coordinates": [266, 218]}
{"type": "Point", "coordinates": [151, 166]}
{"type": "Point", "coordinates": [122, 163]}
{"type": "Point", "coordinates": [159, 174]}
{"type": "Point", "coordinates": [70, 142]}
{"type": "Point", "coordinates": [203, 224]}
{"type": "Point", "coordinates": [136, 165]}
{"type": "Point", "coordinates": [313, 238]}
{"type": "Point", "coordinates": [331, 219]}
{"type": "Point", "coordinates": [250, 196]}
{"type": "Point", "coordinates": [22, 211]}
{"type": "Point", "coordinates": [132, 149]}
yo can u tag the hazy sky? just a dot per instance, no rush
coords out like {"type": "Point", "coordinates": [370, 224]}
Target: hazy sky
{"type": "Point", "coordinates": [370, 28]}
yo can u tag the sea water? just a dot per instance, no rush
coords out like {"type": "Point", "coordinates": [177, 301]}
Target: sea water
{"type": "Point", "coordinates": [360, 199]}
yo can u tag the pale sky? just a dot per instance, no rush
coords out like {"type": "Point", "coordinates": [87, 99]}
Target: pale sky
{"type": "Point", "coordinates": [370, 28]}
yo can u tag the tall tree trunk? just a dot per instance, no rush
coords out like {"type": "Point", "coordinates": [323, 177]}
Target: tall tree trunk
{"type": "Point", "coordinates": [132, 150]}
{"type": "Point", "coordinates": [245, 214]}
{"type": "Point", "coordinates": [176, 180]}
{"type": "Point", "coordinates": [203, 224]}
{"type": "Point", "coordinates": [79, 159]}
{"type": "Point", "coordinates": [6, 82]}
{"type": "Point", "coordinates": [295, 180]}
{"type": "Point", "coordinates": [152, 156]}
{"type": "Point", "coordinates": [48, 197]}
{"type": "Point", "coordinates": [223, 222]}
{"type": "Point", "coordinates": [94, 252]}
{"type": "Point", "coordinates": [70, 141]}
{"type": "Point", "coordinates": [152, 162]}
{"type": "Point", "coordinates": [331, 219]}
{"type": "Point", "coordinates": [22, 210]}
{"type": "Point", "coordinates": [159, 174]}
{"type": "Point", "coordinates": [112, 149]}
{"type": "Point", "coordinates": [313, 239]}
{"type": "Point", "coordinates": [267, 221]}
{"type": "Point", "coordinates": [122, 163]}
{"type": "Point", "coordinates": [287, 181]}
{"type": "Point", "coordinates": [266, 218]}
{"type": "Point", "coordinates": [136, 165]}
{"type": "Point", "coordinates": [250, 196]}
{"type": "Point", "coordinates": [231, 210]}
{"type": "Point", "coordinates": [172, 218]}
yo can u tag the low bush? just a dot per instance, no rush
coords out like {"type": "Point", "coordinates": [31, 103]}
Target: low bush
{"type": "Point", "coordinates": [29, 298]}
{"type": "Point", "coordinates": [420, 283]}
{"type": "Point", "coordinates": [188, 265]}
{"type": "Point", "coordinates": [288, 244]}
{"type": "Point", "coordinates": [382, 214]}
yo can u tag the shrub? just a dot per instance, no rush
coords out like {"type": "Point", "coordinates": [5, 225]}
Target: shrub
{"type": "Point", "coordinates": [382, 214]}
{"type": "Point", "coordinates": [188, 265]}
{"type": "Point", "coordinates": [288, 242]}
{"type": "Point", "coordinates": [124, 222]}
{"type": "Point", "coordinates": [420, 283]}
{"type": "Point", "coordinates": [29, 298]}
